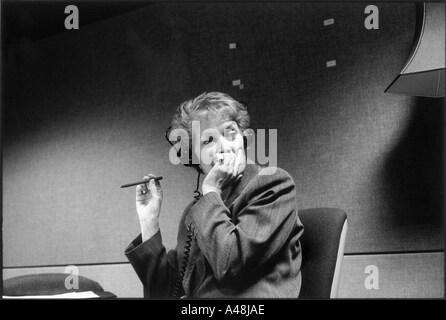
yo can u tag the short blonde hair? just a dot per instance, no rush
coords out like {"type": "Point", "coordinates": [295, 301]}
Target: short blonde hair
{"type": "Point", "coordinates": [213, 102]}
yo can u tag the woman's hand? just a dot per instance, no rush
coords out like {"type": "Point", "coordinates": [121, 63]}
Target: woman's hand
{"type": "Point", "coordinates": [149, 198]}
{"type": "Point", "coordinates": [226, 170]}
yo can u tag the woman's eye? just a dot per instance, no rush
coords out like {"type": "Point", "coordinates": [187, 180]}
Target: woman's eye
{"type": "Point", "coordinates": [231, 133]}
{"type": "Point", "coordinates": [208, 140]}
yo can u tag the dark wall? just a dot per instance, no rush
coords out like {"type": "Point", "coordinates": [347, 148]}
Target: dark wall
{"type": "Point", "coordinates": [85, 111]}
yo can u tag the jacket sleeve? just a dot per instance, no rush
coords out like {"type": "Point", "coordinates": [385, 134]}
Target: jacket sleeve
{"type": "Point", "coordinates": [238, 244]}
{"type": "Point", "coordinates": [156, 269]}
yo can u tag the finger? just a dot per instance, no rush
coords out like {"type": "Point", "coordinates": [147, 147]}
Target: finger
{"type": "Point", "coordinates": [231, 163]}
{"type": "Point", "coordinates": [140, 190]}
{"type": "Point", "coordinates": [148, 186]}
{"type": "Point", "coordinates": [145, 186]}
{"type": "Point", "coordinates": [154, 186]}
{"type": "Point", "coordinates": [238, 162]}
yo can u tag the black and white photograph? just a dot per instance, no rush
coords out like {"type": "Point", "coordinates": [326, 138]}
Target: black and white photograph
{"type": "Point", "coordinates": [215, 151]}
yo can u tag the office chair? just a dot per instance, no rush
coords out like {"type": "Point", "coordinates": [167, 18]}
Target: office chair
{"type": "Point", "coordinates": [322, 246]}
{"type": "Point", "coordinates": [49, 284]}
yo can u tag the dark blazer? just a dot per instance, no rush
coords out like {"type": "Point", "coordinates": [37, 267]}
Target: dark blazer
{"type": "Point", "coordinates": [245, 243]}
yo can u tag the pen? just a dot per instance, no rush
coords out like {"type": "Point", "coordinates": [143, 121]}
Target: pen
{"type": "Point", "coordinates": [140, 182]}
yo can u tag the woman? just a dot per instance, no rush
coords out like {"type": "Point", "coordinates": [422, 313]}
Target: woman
{"type": "Point", "coordinates": [241, 238]}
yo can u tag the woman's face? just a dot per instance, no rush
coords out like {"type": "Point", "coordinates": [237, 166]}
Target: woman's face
{"type": "Point", "coordinates": [219, 136]}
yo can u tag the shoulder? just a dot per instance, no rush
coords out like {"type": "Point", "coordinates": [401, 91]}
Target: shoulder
{"type": "Point", "coordinates": [271, 174]}
{"type": "Point", "coordinates": [271, 179]}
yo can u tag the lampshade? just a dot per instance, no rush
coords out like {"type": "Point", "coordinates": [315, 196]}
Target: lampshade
{"type": "Point", "coordinates": [423, 73]}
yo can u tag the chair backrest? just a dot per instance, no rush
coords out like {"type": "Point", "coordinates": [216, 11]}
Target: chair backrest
{"type": "Point", "coordinates": [322, 243]}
